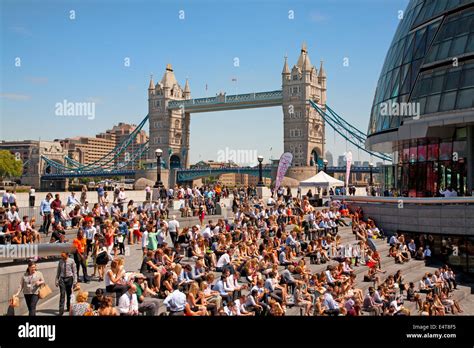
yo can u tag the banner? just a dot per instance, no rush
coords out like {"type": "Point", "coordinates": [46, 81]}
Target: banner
{"type": "Point", "coordinates": [284, 164]}
{"type": "Point", "coordinates": [348, 166]}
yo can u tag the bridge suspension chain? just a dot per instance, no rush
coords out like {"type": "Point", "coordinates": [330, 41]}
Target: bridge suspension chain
{"type": "Point", "coordinates": [347, 131]}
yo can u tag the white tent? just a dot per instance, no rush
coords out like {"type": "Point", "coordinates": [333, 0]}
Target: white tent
{"type": "Point", "coordinates": [321, 180]}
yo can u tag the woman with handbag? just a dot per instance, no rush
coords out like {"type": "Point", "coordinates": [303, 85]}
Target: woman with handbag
{"type": "Point", "coordinates": [30, 284]}
{"type": "Point", "coordinates": [101, 259]}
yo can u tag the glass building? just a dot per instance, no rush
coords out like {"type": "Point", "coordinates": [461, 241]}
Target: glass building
{"type": "Point", "coordinates": [423, 109]}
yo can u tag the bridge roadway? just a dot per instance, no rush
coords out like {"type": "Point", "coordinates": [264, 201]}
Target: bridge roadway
{"type": "Point", "coordinates": [223, 102]}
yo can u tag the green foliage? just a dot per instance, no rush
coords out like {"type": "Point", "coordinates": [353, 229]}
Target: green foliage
{"type": "Point", "coordinates": [10, 167]}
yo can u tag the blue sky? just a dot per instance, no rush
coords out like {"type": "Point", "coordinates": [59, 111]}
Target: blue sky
{"type": "Point", "coordinates": [83, 60]}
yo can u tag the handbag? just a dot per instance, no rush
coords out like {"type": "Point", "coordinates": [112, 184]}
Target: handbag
{"type": "Point", "coordinates": [15, 301]}
{"type": "Point", "coordinates": [102, 258]}
{"type": "Point", "coordinates": [44, 291]}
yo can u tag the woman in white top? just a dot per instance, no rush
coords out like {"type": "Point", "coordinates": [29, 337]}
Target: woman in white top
{"type": "Point", "coordinates": [30, 284]}
{"type": "Point", "coordinates": [115, 280]}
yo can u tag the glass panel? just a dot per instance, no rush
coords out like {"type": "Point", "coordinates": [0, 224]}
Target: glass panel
{"type": "Point", "coordinates": [413, 154]}
{"type": "Point", "coordinates": [445, 150]}
{"type": "Point", "coordinates": [465, 98]}
{"type": "Point", "coordinates": [432, 55]}
{"type": "Point", "coordinates": [431, 32]}
{"type": "Point", "coordinates": [461, 133]}
{"type": "Point", "coordinates": [437, 84]}
{"type": "Point", "coordinates": [463, 26]}
{"type": "Point", "coordinates": [470, 44]}
{"type": "Point", "coordinates": [432, 104]}
{"type": "Point", "coordinates": [452, 80]}
{"type": "Point", "coordinates": [458, 46]}
{"type": "Point", "coordinates": [460, 148]}
{"type": "Point", "coordinates": [433, 152]}
{"type": "Point", "coordinates": [421, 153]}
{"type": "Point", "coordinates": [406, 155]}
{"type": "Point", "coordinates": [447, 101]}
{"type": "Point", "coordinates": [425, 86]}
{"type": "Point", "coordinates": [420, 43]}
{"type": "Point", "coordinates": [467, 79]}
{"type": "Point", "coordinates": [422, 102]}
{"type": "Point", "coordinates": [443, 50]}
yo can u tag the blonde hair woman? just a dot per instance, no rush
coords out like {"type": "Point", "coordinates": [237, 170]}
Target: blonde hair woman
{"type": "Point", "coordinates": [81, 307]}
{"type": "Point", "coordinates": [191, 308]}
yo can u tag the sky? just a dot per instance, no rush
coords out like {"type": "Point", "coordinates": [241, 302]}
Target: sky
{"type": "Point", "coordinates": [104, 51]}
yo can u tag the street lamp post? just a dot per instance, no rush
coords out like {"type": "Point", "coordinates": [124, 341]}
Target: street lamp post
{"type": "Point", "coordinates": [158, 183]}
{"type": "Point", "coordinates": [325, 161]}
{"type": "Point", "coordinates": [371, 181]}
{"type": "Point", "coordinates": [260, 171]}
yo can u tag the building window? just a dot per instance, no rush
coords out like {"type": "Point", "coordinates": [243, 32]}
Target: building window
{"type": "Point", "coordinates": [295, 133]}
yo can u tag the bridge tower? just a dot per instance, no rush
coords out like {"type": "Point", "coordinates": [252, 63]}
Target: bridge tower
{"type": "Point", "coordinates": [169, 129]}
{"type": "Point", "coordinates": [303, 127]}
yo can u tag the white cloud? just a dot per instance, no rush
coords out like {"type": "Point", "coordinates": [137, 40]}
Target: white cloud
{"type": "Point", "coordinates": [21, 30]}
{"type": "Point", "coordinates": [37, 80]}
{"type": "Point", "coordinates": [317, 17]}
{"type": "Point", "coordinates": [97, 100]}
{"type": "Point", "coordinates": [15, 96]}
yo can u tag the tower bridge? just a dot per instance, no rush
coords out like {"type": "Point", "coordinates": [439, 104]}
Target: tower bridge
{"type": "Point", "coordinates": [302, 96]}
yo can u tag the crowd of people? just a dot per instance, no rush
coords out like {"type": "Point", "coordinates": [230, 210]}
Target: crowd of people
{"type": "Point", "coordinates": [254, 264]}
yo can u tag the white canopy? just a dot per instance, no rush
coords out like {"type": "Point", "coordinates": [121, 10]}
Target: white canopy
{"type": "Point", "coordinates": [321, 179]}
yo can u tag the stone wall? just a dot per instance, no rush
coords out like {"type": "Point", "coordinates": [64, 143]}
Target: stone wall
{"type": "Point", "coordinates": [456, 219]}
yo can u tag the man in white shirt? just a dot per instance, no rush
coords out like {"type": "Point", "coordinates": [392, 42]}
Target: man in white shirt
{"type": "Point", "coordinates": [173, 229]}
{"type": "Point", "coordinates": [12, 215]}
{"type": "Point", "coordinates": [207, 232]}
{"type": "Point", "coordinates": [175, 302]}
{"type": "Point", "coordinates": [121, 198]}
{"type": "Point", "coordinates": [224, 261]}
{"type": "Point", "coordinates": [128, 302]}
{"type": "Point", "coordinates": [85, 210]}
{"type": "Point", "coordinates": [72, 201]}
{"type": "Point", "coordinates": [6, 199]}
{"type": "Point", "coordinates": [32, 196]}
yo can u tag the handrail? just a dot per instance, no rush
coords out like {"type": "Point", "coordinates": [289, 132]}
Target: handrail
{"type": "Point", "coordinates": [406, 200]}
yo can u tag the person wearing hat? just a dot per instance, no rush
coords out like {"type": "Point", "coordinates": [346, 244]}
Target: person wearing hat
{"type": "Point", "coordinates": [148, 301]}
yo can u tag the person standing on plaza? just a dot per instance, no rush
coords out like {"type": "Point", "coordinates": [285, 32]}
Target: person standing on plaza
{"type": "Point", "coordinates": [89, 232]}
{"type": "Point", "coordinates": [30, 284]}
{"type": "Point", "coordinates": [32, 196]}
{"type": "Point", "coordinates": [6, 199]}
{"type": "Point", "coordinates": [45, 212]}
{"type": "Point", "coordinates": [56, 208]}
{"type": "Point", "coordinates": [83, 194]}
{"type": "Point", "coordinates": [12, 199]}
{"type": "Point", "coordinates": [121, 198]}
{"type": "Point", "coordinates": [148, 193]}
{"type": "Point", "coordinates": [80, 254]}
{"type": "Point", "coordinates": [100, 194]}
{"type": "Point", "coordinates": [173, 229]}
{"type": "Point", "coordinates": [66, 280]}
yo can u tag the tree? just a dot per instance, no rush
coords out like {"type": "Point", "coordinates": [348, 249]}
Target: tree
{"type": "Point", "coordinates": [10, 167]}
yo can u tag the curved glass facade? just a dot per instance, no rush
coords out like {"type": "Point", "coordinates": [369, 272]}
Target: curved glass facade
{"type": "Point", "coordinates": [430, 62]}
